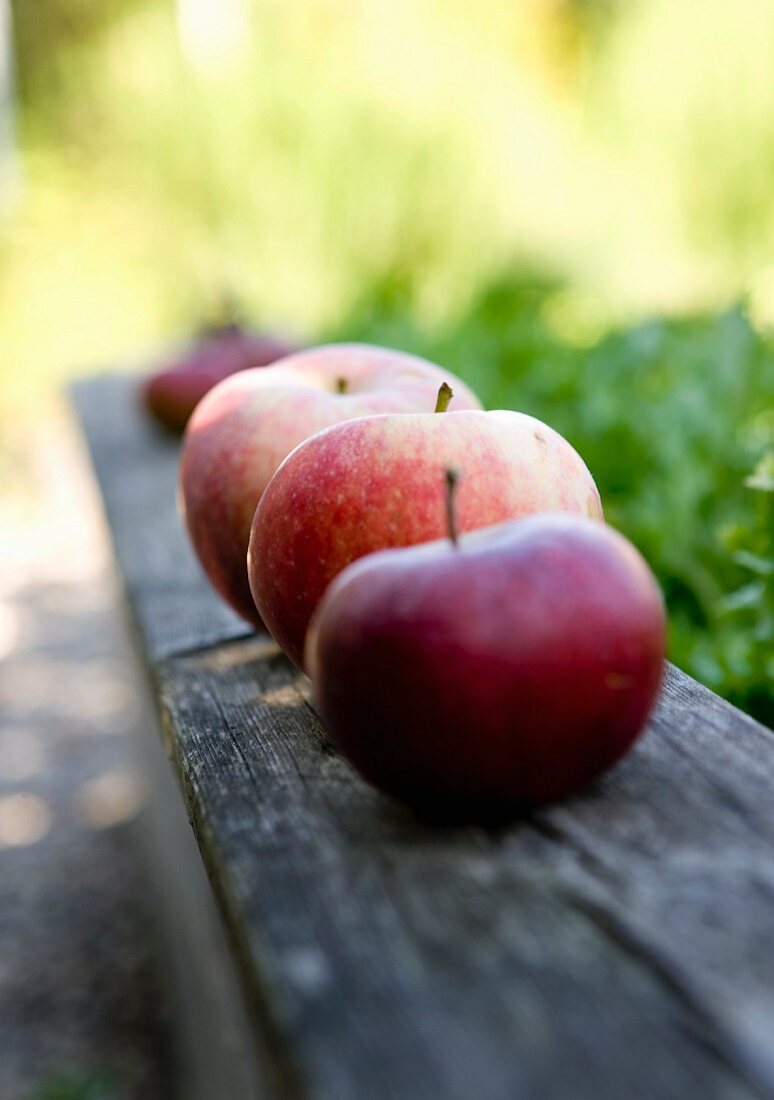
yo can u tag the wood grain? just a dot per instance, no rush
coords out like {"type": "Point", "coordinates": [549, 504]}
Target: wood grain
{"type": "Point", "coordinates": [617, 945]}
{"type": "Point", "coordinates": [136, 464]}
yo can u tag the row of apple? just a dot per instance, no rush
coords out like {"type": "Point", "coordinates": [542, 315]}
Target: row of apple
{"type": "Point", "coordinates": [477, 638]}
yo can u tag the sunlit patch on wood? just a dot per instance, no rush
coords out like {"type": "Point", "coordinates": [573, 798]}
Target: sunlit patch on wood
{"type": "Point", "coordinates": [24, 819]}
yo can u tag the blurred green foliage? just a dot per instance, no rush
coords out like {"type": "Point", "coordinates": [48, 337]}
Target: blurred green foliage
{"type": "Point", "coordinates": [394, 171]}
{"type": "Point", "coordinates": [671, 417]}
{"type": "Point", "coordinates": [743, 626]}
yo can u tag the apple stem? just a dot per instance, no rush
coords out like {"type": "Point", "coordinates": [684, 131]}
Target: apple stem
{"type": "Point", "coordinates": [342, 385]}
{"type": "Point", "coordinates": [452, 477]}
{"type": "Point", "coordinates": [445, 394]}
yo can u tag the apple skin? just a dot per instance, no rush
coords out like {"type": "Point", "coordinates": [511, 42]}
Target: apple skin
{"type": "Point", "coordinates": [379, 482]}
{"type": "Point", "coordinates": [479, 680]}
{"type": "Point", "coordinates": [246, 426]}
{"type": "Point", "coordinates": [172, 393]}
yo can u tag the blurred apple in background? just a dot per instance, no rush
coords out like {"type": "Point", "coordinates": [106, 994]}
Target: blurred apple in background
{"type": "Point", "coordinates": [502, 672]}
{"type": "Point", "coordinates": [247, 425]}
{"type": "Point", "coordinates": [378, 482]}
{"type": "Point", "coordinates": [172, 393]}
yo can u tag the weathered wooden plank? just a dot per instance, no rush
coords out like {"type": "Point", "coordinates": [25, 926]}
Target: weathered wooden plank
{"type": "Point", "coordinates": [212, 1035]}
{"type": "Point", "coordinates": [136, 465]}
{"type": "Point", "coordinates": [617, 945]}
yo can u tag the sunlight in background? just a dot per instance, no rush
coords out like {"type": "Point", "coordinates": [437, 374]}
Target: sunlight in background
{"type": "Point", "coordinates": [298, 152]}
{"type": "Point", "coordinates": [9, 628]}
{"type": "Point", "coordinates": [570, 203]}
{"type": "Point", "coordinates": [213, 33]}
{"type": "Point", "coordinates": [24, 819]}
{"type": "Point", "coordinates": [110, 799]}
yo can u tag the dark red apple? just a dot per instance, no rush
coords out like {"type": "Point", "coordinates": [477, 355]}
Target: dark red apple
{"type": "Point", "coordinates": [496, 674]}
{"type": "Point", "coordinates": [172, 393]}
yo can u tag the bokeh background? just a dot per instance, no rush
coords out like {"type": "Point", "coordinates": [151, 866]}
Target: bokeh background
{"type": "Point", "coordinates": [568, 202]}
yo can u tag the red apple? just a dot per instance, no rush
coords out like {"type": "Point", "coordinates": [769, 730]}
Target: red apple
{"type": "Point", "coordinates": [378, 482]}
{"type": "Point", "coordinates": [172, 393]}
{"type": "Point", "coordinates": [503, 672]}
{"type": "Point", "coordinates": [247, 425]}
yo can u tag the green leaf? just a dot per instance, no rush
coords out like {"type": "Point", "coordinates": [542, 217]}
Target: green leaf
{"type": "Point", "coordinates": [749, 595]}
{"type": "Point", "coordinates": [763, 477]}
{"type": "Point", "coordinates": [764, 567]}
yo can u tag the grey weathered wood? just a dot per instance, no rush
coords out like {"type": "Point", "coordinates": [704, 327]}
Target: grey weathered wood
{"type": "Point", "coordinates": [617, 945]}
{"type": "Point", "coordinates": [212, 1036]}
{"type": "Point", "coordinates": [136, 463]}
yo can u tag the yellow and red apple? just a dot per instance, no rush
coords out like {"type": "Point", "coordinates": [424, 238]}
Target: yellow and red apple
{"type": "Point", "coordinates": [378, 482]}
{"type": "Point", "coordinates": [244, 427]}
